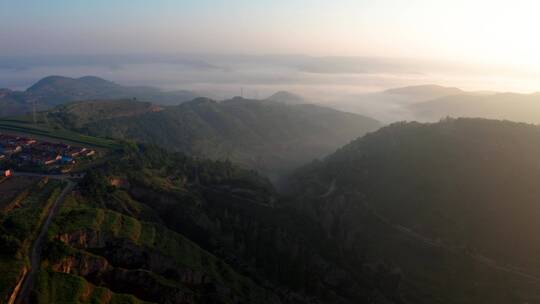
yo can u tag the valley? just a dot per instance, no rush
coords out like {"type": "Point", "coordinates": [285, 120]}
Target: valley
{"type": "Point", "coordinates": [269, 152]}
{"type": "Point", "coordinates": [267, 201]}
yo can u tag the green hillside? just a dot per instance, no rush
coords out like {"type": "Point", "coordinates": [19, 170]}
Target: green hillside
{"type": "Point", "coordinates": [57, 90]}
{"type": "Point", "coordinates": [271, 137]}
{"type": "Point", "coordinates": [412, 213]}
{"type": "Point", "coordinates": [20, 216]}
{"type": "Point", "coordinates": [453, 204]}
{"type": "Point", "coordinates": [182, 230]}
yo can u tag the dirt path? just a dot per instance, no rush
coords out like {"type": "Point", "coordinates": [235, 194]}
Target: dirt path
{"type": "Point", "coordinates": [31, 174]}
{"type": "Point", "coordinates": [330, 189]}
{"type": "Point", "coordinates": [35, 253]}
{"type": "Point", "coordinates": [437, 244]}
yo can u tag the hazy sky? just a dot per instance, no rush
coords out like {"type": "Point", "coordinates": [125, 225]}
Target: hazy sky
{"type": "Point", "coordinates": [487, 31]}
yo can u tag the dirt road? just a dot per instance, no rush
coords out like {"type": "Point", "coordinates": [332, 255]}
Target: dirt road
{"type": "Point", "coordinates": [35, 254]}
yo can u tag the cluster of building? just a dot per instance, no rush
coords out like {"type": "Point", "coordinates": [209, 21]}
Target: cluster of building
{"type": "Point", "coordinates": [28, 151]}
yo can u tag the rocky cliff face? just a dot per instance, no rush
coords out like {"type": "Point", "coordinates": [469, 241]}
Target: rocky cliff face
{"type": "Point", "coordinates": [83, 239]}
{"type": "Point", "coordinates": [82, 265]}
{"type": "Point", "coordinates": [105, 258]}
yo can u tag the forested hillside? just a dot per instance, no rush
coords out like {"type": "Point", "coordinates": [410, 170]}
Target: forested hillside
{"type": "Point", "coordinates": [453, 204]}
{"type": "Point", "coordinates": [150, 226]}
{"type": "Point", "coordinates": [271, 137]}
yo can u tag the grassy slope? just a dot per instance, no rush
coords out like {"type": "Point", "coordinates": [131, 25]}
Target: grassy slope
{"type": "Point", "coordinates": [23, 224]}
{"type": "Point", "coordinates": [55, 287]}
{"type": "Point", "coordinates": [78, 214]}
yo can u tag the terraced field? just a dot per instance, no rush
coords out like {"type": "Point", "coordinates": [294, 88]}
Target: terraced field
{"type": "Point", "coordinates": [12, 188]}
{"type": "Point", "coordinates": [20, 224]}
{"type": "Point", "coordinates": [87, 229]}
{"type": "Point", "coordinates": [57, 287]}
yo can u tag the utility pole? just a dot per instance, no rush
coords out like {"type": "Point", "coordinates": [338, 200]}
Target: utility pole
{"type": "Point", "coordinates": [34, 110]}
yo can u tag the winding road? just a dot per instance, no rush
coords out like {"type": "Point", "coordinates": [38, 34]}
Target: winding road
{"type": "Point", "coordinates": [438, 244]}
{"type": "Point", "coordinates": [35, 254]}
{"type": "Point", "coordinates": [330, 190]}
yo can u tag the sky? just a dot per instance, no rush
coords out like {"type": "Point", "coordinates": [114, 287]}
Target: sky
{"type": "Point", "coordinates": [485, 31]}
{"type": "Point", "coordinates": [473, 44]}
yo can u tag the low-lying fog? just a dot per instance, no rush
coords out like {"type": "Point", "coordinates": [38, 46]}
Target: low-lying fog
{"type": "Point", "coordinates": [348, 83]}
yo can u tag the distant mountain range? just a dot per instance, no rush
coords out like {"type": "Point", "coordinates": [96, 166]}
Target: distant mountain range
{"type": "Point", "coordinates": [55, 90]}
{"type": "Point", "coordinates": [430, 103]}
{"type": "Point", "coordinates": [269, 136]}
{"type": "Point", "coordinates": [508, 106]}
{"type": "Point", "coordinates": [393, 104]}
{"type": "Point", "coordinates": [287, 97]}
{"type": "Point", "coordinates": [424, 92]}
{"type": "Point", "coordinates": [421, 103]}
{"type": "Point", "coordinates": [453, 205]}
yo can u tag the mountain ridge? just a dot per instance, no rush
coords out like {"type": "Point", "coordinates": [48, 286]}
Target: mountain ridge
{"type": "Point", "coordinates": [426, 90]}
{"type": "Point", "coordinates": [508, 106]}
{"type": "Point", "coordinates": [55, 90]}
{"type": "Point", "coordinates": [438, 200]}
{"type": "Point", "coordinates": [287, 97]}
{"type": "Point", "coordinates": [268, 136]}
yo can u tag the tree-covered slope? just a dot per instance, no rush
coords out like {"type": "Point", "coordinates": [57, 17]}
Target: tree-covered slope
{"type": "Point", "coordinates": [151, 226]}
{"type": "Point", "coordinates": [455, 205]}
{"type": "Point", "coordinates": [76, 115]}
{"type": "Point", "coordinates": [269, 136]}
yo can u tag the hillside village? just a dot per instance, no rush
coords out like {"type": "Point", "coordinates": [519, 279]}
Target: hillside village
{"type": "Point", "coordinates": [18, 151]}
